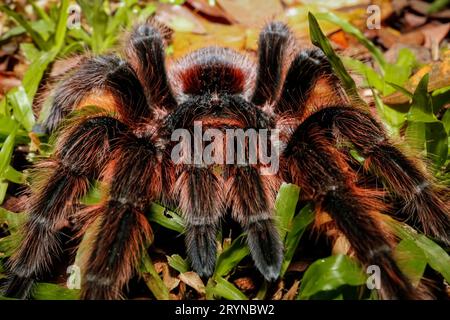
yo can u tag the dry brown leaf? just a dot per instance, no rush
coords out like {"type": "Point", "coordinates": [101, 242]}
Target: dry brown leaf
{"type": "Point", "coordinates": [217, 35]}
{"type": "Point", "coordinates": [386, 8]}
{"type": "Point", "coordinates": [182, 290]}
{"type": "Point", "coordinates": [292, 292]}
{"type": "Point", "coordinates": [341, 246]}
{"type": "Point", "coordinates": [279, 293]}
{"type": "Point", "coordinates": [179, 19]}
{"type": "Point", "coordinates": [252, 13]}
{"type": "Point", "coordinates": [298, 266]}
{"type": "Point", "coordinates": [421, 53]}
{"type": "Point", "coordinates": [15, 204]}
{"type": "Point", "coordinates": [170, 281]}
{"type": "Point", "coordinates": [245, 284]}
{"type": "Point", "coordinates": [390, 37]}
{"type": "Point", "coordinates": [322, 218]}
{"type": "Point", "coordinates": [336, 4]}
{"type": "Point", "coordinates": [439, 78]}
{"type": "Point", "coordinates": [8, 80]}
{"type": "Point", "coordinates": [412, 38]}
{"type": "Point", "coordinates": [193, 280]}
{"type": "Point", "coordinates": [413, 20]}
{"type": "Point", "coordinates": [204, 7]}
{"type": "Point", "coordinates": [159, 266]}
{"type": "Point", "coordinates": [290, 3]}
{"type": "Point", "coordinates": [435, 33]}
{"type": "Point", "coordinates": [399, 5]}
{"type": "Point", "coordinates": [340, 39]}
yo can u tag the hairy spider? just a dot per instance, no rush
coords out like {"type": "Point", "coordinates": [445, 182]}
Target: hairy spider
{"type": "Point", "coordinates": [127, 145]}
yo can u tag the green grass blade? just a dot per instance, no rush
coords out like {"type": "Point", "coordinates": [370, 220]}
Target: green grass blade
{"type": "Point", "coordinates": [299, 224]}
{"type": "Point", "coordinates": [50, 291]}
{"type": "Point", "coordinates": [7, 150]}
{"type": "Point", "coordinates": [438, 5]}
{"type": "Point", "coordinates": [178, 263]}
{"type": "Point", "coordinates": [166, 218]}
{"type": "Point", "coordinates": [37, 38]}
{"type": "Point", "coordinates": [285, 205]}
{"type": "Point", "coordinates": [393, 119]}
{"type": "Point", "coordinates": [152, 279]}
{"type": "Point", "coordinates": [411, 260]}
{"type": "Point", "coordinates": [231, 256]}
{"type": "Point", "coordinates": [61, 26]}
{"type": "Point", "coordinates": [224, 289]}
{"type": "Point", "coordinates": [424, 130]}
{"type": "Point", "coordinates": [14, 220]}
{"type": "Point", "coordinates": [22, 109]}
{"type": "Point", "coordinates": [421, 107]}
{"type": "Point", "coordinates": [400, 89]}
{"type": "Point", "coordinates": [13, 175]}
{"type": "Point", "coordinates": [330, 274]}
{"type": "Point", "coordinates": [373, 79]}
{"type": "Point", "coordinates": [40, 11]}
{"type": "Point", "coordinates": [349, 28]}
{"type": "Point", "coordinates": [98, 20]}
{"type": "Point", "coordinates": [446, 121]}
{"type": "Point", "coordinates": [321, 41]}
{"type": "Point", "coordinates": [436, 256]}
{"type": "Point", "coordinates": [3, 190]}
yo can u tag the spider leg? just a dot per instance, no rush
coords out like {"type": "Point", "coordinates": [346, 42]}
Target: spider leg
{"type": "Point", "coordinates": [202, 203]}
{"type": "Point", "coordinates": [322, 171]}
{"type": "Point", "coordinates": [308, 67]}
{"type": "Point", "coordinates": [274, 42]}
{"type": "Point", "coordinates": [134, 180]}
{"type": "Point", "coordinates": [110, 75]}
{"type": "Point", "coordinates": [251, 197]}
{"type": "Point", "coordinates": [63, 180]}
{"type": "Point", "coordinates": [146, 54]}
{"type": "Point", "coordinates": [402, 175]}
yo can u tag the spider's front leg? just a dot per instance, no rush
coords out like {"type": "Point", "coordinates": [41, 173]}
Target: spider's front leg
{"type": "Point", "coordinates": [138, 82]}
{"type": "Point", "coordinates": [202, 203]}
{"type": "Point", "coordinates": [146, 55]}
{"type": "Point", "coordinates": [419, 195]}
{"type": "Point", "coordinates": [273, 47]}
{"type": "Point", "coordinates": [251, 197]}
{"type": "Point", "coordinates": [313, 162]}
{"type": "Point", "coordinates": [61, 182]}
{"type": "Point", "coordinates": [289, 89]}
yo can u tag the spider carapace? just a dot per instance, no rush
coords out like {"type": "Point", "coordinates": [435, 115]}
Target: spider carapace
{"type": "Point", "coordinates": [125, 142]}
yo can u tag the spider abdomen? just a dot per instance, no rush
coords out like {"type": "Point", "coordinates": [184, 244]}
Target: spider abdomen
{"type": "Point", "coordinates": [213, 70]}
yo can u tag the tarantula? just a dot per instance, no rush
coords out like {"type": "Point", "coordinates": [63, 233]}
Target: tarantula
{"type": "Point", "coordinates": [126, 143]}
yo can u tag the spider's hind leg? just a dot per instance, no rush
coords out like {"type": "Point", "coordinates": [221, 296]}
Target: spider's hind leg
{"type": "Point", "coordinates": [314, 163]}
{"type": "Point", "coordinates": [403, 176]}
{"type": "Point", "coordinates": [64, 179]}
{"type": "Point", "coordinates": [306, 70]}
